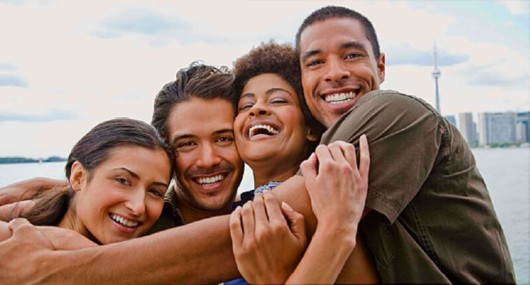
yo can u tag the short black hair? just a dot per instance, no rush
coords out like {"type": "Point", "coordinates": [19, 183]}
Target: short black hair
{"type": "Point", "coordinates": [330, 12]}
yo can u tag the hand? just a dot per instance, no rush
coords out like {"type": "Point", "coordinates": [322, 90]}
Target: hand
{"type": "Point", "coordinates": [28, 255]}
{"type": "Point", "coordinates": [14, 210]}
{"type": "Point", "coordinates": [27, 189]}
{"type": "Point", "coordinates": [21, 253]}
{"type": "Point", "coordinates": [268, 240]}
{"type": "Point", "coordinates": [65, 239]}
{"type": "Point", "coordinates": [337, 189]}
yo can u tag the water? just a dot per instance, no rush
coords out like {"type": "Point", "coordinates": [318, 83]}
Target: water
{"type": "Point", "coordinates": [507, 174]}
{"type": "Point", "coordinates": [506, 171]}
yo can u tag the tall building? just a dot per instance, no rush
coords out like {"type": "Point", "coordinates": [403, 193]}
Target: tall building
{"type": "Point", "coordinates": [451, 119]}
{"type": "Point", "coordinates": [497, 128]}
{"type": "Point", "coordinates": [522, 132]}
{"type": "Point", "coordinates": [436, 74]}
{"type": "Point", "coordinates": [468, 128]}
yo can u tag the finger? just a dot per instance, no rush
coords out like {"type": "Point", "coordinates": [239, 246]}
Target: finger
{"type": "Point", "coordinates": [309, 168]}
{"type": "Point", "coordinates": [236, 230]}
{"type": "Point", "coordinates": [260, 213]}
{"type": "Point", "coordinates": [364, 158]}
{"type": "Point", "coordinates": [5, 231]}
{"type": "Point", "coordinates": [296, 222]}
{"type": "Point", "coordinates": [273, 209]}
{"type": "Point", "coordinates": [350, 156]}
{"type": "Point", "coordinates": [14, 210]}
{"type": "Point", "coordinates": [337, 151]}
{"type": "Point", "coordinates": [247, 218]}
{"type": "Point", "coordinates": [323, 157]}
{"type": "Point", "coordinates": [22, 228]}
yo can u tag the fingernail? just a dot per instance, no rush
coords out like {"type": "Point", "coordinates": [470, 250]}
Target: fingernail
{"type": "Point", "coordinates": [287, 206]}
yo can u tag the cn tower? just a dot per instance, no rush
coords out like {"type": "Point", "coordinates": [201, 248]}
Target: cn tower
{"type": "Point", "coordinates": [436, 74]}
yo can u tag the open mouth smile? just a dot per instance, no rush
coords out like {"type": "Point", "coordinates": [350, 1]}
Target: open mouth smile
{"type": "Point", "coordinates": [124, 222]}
{"type": "Point", "coordinates": [340, 98]}
{"type": "Point", "coordinates": [210, 180]}
{"type": "Point", "coordinates": [262, 130]}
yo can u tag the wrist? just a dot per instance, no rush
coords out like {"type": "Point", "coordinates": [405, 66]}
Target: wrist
{"type": "Point", "coordinates": [341, 236]}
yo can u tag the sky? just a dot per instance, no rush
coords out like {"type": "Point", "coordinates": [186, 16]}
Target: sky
{"type": "Point", "coordinates": [67, 65]}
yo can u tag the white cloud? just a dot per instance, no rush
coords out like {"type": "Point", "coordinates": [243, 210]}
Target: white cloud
{"type": "Point", "coordinates": [515, 7]}
{"type": "Point", "coordinates": [81, 78]}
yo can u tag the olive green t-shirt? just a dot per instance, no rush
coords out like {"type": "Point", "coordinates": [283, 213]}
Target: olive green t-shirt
{"type": "Point", "coordinates": [432, 219]}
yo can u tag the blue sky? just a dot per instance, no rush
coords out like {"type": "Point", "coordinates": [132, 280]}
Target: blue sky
{"type": "Point", "coordinates": [67, 65]}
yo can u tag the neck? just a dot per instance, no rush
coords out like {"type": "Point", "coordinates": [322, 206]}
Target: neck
{"type": "Point", "coordinates": [265, 172]}
{"type": "Point", "coordinates": [190, 213]}
{"type": "Point", "coordinates": [71, 221]}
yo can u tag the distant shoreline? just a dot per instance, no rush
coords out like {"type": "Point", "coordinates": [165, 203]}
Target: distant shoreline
{"type": "Point", "coordinates": [21, 159]}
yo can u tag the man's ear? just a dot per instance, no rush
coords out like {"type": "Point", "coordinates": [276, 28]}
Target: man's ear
{"type": "Point", "coordinates": [78, 175]}
{"type": "Point", "coordinates": [310, 136]}
{"type": "Point", "coordinates": [381, 68]}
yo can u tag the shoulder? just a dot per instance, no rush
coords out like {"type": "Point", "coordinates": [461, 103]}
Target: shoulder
{"type": "Point", "coordinates": [383, 113]}
{"type": "Point", "coordinates": [394, 100]}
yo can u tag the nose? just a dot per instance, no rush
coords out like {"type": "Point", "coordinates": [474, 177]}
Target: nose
{"type": "Point", "coordinates": [336, 70]}
{"type": "Point", "coordinates": [136, 202]}
{"type": "Point", "coordinates": [259, 109]}
{"type": "Point", "coordinates": [208, 157]}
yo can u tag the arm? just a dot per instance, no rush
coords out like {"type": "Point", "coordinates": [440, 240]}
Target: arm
{"type": "Point", "coordinates": [338, 206]}
{"type": "Point", "coordinates": [27, 189]}
{"type": "Point", "coordinates": [196, 253]}
{"type": "Point", "coordinates": [199, 252]}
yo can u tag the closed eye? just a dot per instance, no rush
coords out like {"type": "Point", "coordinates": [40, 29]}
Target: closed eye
{"type": "Point", "coordinates": [279, 101]}
{"type": "Point", "coordinates": [245, 107]}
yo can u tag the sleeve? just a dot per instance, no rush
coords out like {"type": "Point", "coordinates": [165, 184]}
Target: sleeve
{"type": "Point", "coordinates": [404, 136]}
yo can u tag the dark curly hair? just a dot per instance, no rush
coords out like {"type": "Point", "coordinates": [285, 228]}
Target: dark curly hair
{"type": "Point", "coordinates": [279, 59]}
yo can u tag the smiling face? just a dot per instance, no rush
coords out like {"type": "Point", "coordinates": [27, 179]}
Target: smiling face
{"type": "Point", "coordinates": [338, 67]}
{"type": "Point", "coordinates": [270, 126]}
{"type": "Point", "coordinates": [123, 196]}
{"type": "Point", "coordinates": [209, 169]}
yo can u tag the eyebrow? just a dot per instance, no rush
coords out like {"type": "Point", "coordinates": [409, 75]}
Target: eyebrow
{"type": "Point", "coordinates": [346, 45]}
{"type": "Point", "coordinates": [272, 90]}
{"type": "Point", "coordinates": [268, 92]}
{"type": "Point", "coordinates": [227, 130]}
{"type": "Point", "coordinates": [136, 176]}
{"type": "Point", "coordinates": [186, 136]}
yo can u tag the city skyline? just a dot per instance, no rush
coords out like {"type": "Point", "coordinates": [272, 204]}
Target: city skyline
{"type": "Point", "coordinates": [494, 128]}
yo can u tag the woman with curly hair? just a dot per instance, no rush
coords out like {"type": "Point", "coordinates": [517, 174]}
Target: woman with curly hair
{"type": "Point", "coordinates": [274, 133]}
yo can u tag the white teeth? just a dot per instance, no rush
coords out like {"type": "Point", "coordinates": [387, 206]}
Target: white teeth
{"type": "Point", "coordinates": [269, 129]}
{"type": "Point", "coordinates": [208, 180]}
{"type": "Point", "coordinates": [123, 221]}
{"type": "Point", "coordinates": [340, 98]}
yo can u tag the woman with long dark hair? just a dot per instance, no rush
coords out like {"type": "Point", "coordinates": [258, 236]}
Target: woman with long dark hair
{"type": "Point", "coordinates": [117, 176]}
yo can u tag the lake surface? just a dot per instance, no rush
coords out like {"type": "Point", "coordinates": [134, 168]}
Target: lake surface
{"type": "Point", "coordinates": [506, 171]}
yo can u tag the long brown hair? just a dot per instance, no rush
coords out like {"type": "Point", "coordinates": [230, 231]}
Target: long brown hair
{"type": "Point", "coordinates": [91, 150]}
